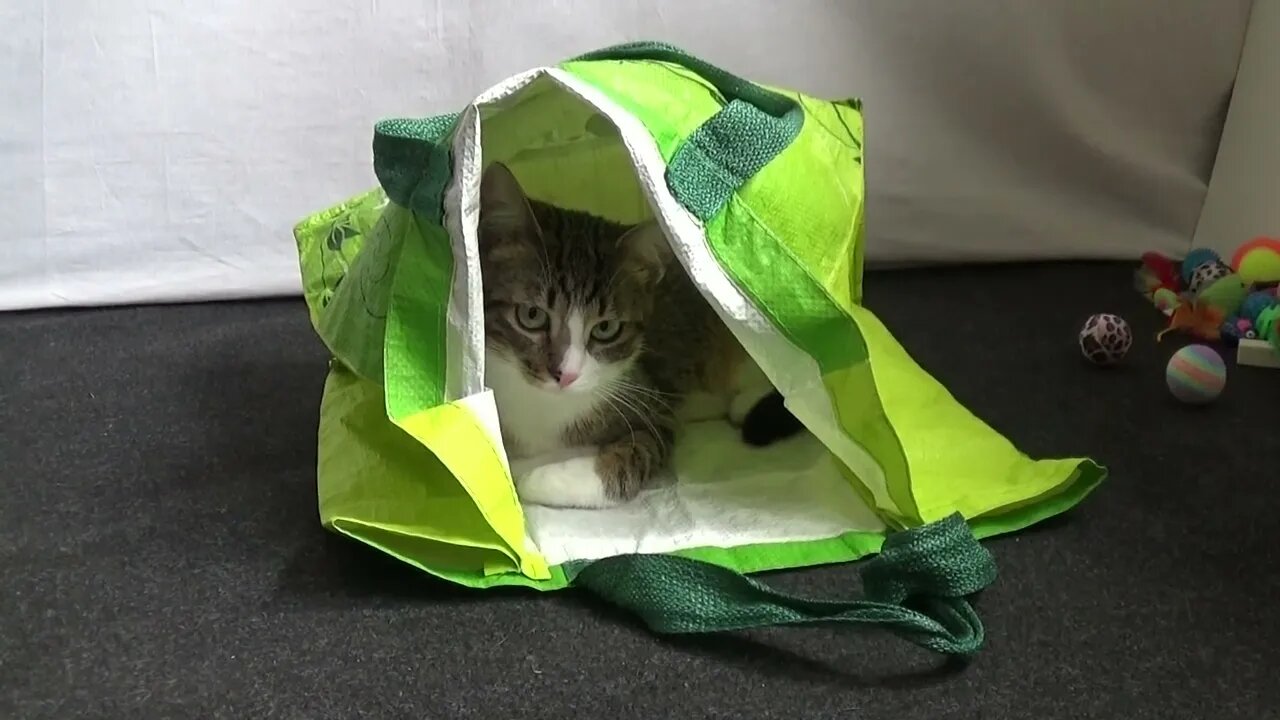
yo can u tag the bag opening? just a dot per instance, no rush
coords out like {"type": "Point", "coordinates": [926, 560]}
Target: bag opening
{"type": "Point", "coordinates": [719, 492]}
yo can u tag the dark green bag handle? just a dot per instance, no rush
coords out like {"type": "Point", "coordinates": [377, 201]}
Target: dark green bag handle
{"type": "Point", "coordinates": [412, 162]}
{"type": "Point", "coordinates": [917, 588]}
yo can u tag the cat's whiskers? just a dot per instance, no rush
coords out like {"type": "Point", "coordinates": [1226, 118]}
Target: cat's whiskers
{"type": "Point", "coordinates": [643, 416]}
{"type": "Point", "coordinates": [630, 428]}
{"type": "Point", "coordinates": [649, 395]}
{"type": "Point", "coordinates": [652, 400]}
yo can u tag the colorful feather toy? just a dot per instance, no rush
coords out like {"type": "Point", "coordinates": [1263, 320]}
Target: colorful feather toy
{"type": "Point", "coordinates": [1202, 321]}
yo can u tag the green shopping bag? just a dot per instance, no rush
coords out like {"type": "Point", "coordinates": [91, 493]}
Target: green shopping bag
{"type": "Point", "coordinates": [760, 192]}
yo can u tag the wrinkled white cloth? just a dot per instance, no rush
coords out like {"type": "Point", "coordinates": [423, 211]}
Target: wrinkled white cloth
{"type": "Point", "coordinates": [727, 494]}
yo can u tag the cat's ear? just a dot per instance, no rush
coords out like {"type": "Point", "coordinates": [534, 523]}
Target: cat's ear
{"type": "Point", "coordinates": [646, 253]}
{"type": "Point", "coordinates": [505, 214]}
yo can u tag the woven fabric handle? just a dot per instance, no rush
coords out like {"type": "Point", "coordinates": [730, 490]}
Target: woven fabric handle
{"type": "Point", "coordinates": [411, 160]}
{"type": "Point", "coordinates": [917, 587]}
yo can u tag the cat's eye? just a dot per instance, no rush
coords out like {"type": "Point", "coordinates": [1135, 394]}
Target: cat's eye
{"type": "Point", "coordinates": [606, 330]}
{"type": "Point", "coordinates": [532, 317]}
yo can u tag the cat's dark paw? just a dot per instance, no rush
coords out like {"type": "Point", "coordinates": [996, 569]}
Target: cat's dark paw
{"type": "Point", "coordinates": [769, 421]}
{"type": "Point", "coordinates": [625, 467]}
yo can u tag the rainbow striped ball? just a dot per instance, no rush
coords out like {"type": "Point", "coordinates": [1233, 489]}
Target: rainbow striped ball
{"type": "Point", "coordinates": [1196, 374]}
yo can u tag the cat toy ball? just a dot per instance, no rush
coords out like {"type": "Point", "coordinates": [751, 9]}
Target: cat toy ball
{"type": "Point", "coordinates": [1105, 339]}
{"type": "Point", "coordinates": [1258, 260]}
{"type": "Point", "coordinates": [1196, 375]}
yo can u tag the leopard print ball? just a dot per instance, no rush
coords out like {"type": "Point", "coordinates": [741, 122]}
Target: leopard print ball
{"type": "Point", "coordinates": [1105, 339]}
{"type": "Point", "coordinates": [1206, 274]}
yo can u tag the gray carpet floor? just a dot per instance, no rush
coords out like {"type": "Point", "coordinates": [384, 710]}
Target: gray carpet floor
{"type": "Point", "coordinates": [162, 556]}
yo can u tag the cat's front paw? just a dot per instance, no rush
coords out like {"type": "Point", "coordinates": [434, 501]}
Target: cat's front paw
{"type": "Point", "coordinates": [572, 482]}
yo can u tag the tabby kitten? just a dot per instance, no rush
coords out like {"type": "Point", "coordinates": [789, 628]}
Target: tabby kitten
{"type": "Point", "coordinates": [597, 346]}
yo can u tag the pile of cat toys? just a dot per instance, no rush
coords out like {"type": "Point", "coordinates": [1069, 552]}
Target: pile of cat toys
{"type": "Point", "coordinates": [1234, 302]}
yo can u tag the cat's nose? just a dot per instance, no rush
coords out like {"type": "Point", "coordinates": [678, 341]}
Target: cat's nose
{"type": "Point", "coordinates": [566, 377]}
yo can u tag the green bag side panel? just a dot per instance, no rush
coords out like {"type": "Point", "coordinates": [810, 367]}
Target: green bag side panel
{"type": "Point", "coordinates": [670, 111]}
{"type": "Point", "coordinates": [377, 484]}
{"type": "Point", "coordinates": [807, 315]}
{"type": "Point", "coordinates": [328, 243]}
{"type": "Point", "coordinates": [345, 254]}
{"type": "Point", "coordinates": [936, 456]}
{"type": "Point", "coordinates": [792, 239]}
{"type": "Point", "coordinates": [814, 197]}
{"type": "Point", "coordinates": [414, 352]}
{"type": "Point", "coordinates": [956, 461]}
{"type": "Point", "coordinates": [826, 158]}
{"type": "Point", "coordinates": [1020, 515]}
{"type": "Point", "coordinates": [376, 279]}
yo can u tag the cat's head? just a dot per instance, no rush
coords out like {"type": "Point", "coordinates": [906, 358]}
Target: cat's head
{"type": "Point", "coordinates": [567, 294]}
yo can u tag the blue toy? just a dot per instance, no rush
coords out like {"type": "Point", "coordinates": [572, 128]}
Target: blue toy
{"type": "Point", "coordinates": [1194, 259]}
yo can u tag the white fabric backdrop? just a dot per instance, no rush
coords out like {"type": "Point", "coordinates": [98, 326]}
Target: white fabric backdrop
{"type": "Point", "coordinates": [1242, 200]}
{"type": "Point", "coordinates": [156, 150]}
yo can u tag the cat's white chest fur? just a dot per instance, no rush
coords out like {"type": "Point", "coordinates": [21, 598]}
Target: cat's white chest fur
{"type": "Point", "coordinates": [532, 418]}
{"type": "Point", "coordinates": [534, 424]}
{"type": "Point", "coordinates": [536, 420]}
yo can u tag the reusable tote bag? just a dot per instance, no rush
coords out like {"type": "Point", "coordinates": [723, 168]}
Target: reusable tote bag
{"type": "Point", "coordinates": [760, 192]}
